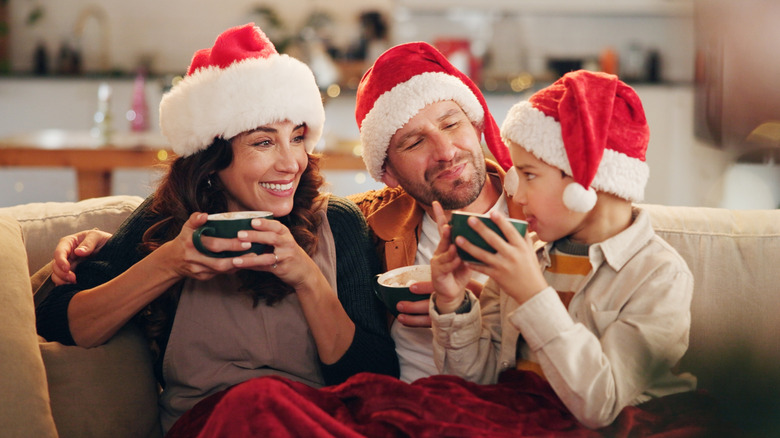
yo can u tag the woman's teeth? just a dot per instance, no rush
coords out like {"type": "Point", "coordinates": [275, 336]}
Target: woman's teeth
{"type": "Point", "coordinates": [277, 187]}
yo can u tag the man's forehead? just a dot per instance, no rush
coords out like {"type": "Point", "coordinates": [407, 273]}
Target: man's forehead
{"type": "Point", "coordinates": [438, 111]}
{"type": "Point", "coordinates": [443, 106]}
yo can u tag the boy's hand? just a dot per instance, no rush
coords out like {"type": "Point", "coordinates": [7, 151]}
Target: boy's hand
{"type": "Point", "coordinates": [514, 266]}
{"type": "Point", "coordinates": [449, 274]}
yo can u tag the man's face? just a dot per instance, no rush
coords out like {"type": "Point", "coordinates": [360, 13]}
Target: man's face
{"type": "Point", "coordinates": [437, 156]}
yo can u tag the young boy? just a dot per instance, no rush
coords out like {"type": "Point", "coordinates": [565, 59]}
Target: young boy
{"type": "Point", "coordinates": [607, 316]}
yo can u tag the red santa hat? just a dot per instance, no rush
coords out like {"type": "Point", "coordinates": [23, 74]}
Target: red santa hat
{"type": "Point", "coordinates": [239, 84]}
{"type": "Point", "coordinates": [591, 126]}
{"type": "Point", "coordinates": [404, 80]}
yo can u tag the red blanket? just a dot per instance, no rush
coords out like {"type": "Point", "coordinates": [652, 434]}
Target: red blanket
{"type": "Point", "coordinates": [521, 404]}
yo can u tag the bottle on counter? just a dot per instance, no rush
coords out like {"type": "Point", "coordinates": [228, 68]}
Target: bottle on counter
{"type": "Point", "coordinates": [633, 63]}
{"type": "Point", "coordinates": [608, 61]}
{"type": "Point", "coordinates": [138, 115]}
{"type": "Point", "coordinates": [102, 130]}
{"type": "Point", "coordinates": [41, 59]}
{"type": "Point", "coordinates": [654, 66]}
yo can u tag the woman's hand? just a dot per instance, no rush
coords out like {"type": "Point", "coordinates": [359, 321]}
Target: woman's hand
{"type": "Point", "coordinates": [288, 261]}
{"type": "Point", "coordinates": [186, 261]}
{"type": "Point", "coordinates": [72, 249]}
{"type": "Point", "coordinates": [449, 274]}
{"type": "Point", "coordinates": [514, 266]}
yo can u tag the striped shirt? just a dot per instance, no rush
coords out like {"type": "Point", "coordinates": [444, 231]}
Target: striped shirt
{"type": "Point", "coordinates": [569, 266]}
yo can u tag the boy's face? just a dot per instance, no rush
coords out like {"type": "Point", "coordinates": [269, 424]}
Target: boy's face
{"type": "Point", "coordinates": [437, 156]}
{"type": "Point", "coordinates": [540, 192]}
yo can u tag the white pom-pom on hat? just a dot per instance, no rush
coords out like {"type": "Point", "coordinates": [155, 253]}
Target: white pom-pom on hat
{"type": "Point", "coordinates": [578, 198]}
{"type": "Point", "coordinates": [511, 180]}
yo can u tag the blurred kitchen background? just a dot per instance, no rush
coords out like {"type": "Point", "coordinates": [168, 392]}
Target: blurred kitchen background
{"type": "Point", "coordinates": [88, 76]}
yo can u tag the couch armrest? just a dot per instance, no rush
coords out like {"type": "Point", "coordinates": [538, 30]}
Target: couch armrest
{"type": "Point", "coordinates": [733, 257]}
{"type": "Point", "coordinates": [44, 223]}
{"type": "Point", "coordinates": [106, 391]}
{"type": "Point", "coordinates": [24, 403]}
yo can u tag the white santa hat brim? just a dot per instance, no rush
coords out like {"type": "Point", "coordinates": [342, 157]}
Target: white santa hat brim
{"type": "Point", "coordinates": [223, 102]}
{"type": "Point", "coordinates": [393, 109]}
{"type": "Point", "coordinates": [534, 131]}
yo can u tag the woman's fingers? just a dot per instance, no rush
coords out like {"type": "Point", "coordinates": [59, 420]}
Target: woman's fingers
{"type": "Point", "coordinates": [219, 244]}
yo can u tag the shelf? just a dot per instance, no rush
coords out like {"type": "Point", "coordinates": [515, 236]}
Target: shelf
{"type": "Point", "coordinates": [670, 8]}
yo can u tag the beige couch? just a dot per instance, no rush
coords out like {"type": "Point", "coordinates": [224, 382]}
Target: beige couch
{"type": "Point", "coordinates": [48, 389]}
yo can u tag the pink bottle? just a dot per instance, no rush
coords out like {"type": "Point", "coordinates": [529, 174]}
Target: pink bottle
{"type": "Point", "coordinates": [139, 112]}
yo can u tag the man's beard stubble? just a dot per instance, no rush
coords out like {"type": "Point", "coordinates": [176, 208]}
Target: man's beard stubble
{"type": "Point", "coordinates": [462, 192]}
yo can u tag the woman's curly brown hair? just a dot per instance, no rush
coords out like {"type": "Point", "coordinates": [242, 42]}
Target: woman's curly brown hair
{"type": "Point", "coordinates": [192, 184]}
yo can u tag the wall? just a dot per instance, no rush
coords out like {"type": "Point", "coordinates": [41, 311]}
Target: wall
{"type": "Point", "coordinates": [683, 171]}
{"type": "Point", "coordinates": [167, 31]}
{"type": "Point", "coordinates": [524, 39]}
{"type": "Point", "coordinates": [517, 35]}
{"type": "Point", "coordinates": [33, 104]}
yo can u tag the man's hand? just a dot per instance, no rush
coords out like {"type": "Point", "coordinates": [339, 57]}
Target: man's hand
{"type": "Point", "coordinates": [415, 313]}
{"type": "Point", "coordinates": [72, 249]}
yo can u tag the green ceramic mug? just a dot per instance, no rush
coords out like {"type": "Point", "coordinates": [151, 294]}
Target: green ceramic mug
{"type": "Point", "coordinates": [393, 286]}
{"type": "Point", "coordinates": [460, 227]}
{"type": "Point", "coordinates": [227, 226]}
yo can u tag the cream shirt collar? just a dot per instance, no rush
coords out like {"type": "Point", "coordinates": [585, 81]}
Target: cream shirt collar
{"type": "Point", "coordinates": [620, 248]}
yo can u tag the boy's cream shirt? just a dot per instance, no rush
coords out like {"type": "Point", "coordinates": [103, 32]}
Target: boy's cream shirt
{"type": "Point", "coordinates": [638, 281]}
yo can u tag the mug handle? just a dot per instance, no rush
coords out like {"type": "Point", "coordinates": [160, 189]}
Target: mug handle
{"type": "Point", "coordinates": [380, 296]}
{"type": "Point", "coordinates": [198, 244]}
{"type": "Point", "coordinates": [375, 286]}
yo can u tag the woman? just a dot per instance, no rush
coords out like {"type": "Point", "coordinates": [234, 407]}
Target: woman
{"type": "Point", "coordinates": [243, 123]}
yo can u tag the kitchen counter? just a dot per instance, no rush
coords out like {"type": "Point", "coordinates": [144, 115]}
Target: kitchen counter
{"type": "Point", "coordinates": [95, 162]}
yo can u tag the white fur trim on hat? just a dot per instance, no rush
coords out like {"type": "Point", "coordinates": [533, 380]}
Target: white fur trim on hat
{"type": "Point", "coordinates": [394, 108]}
{"type": "Point", "coordinates": [537, 133]}
{"type": "Point", "coordinates": [223, 102]}
{"type": "Point", "coordinates": [619, 174]}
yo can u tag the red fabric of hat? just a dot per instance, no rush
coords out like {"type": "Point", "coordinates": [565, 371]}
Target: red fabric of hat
{"type": "Point", "coordinates": [404, 80]}
{"type": "Point", "coordinates": [233, 45]}
{"type": "Point", "coordinates": [239, 84]}
{"type": "Point", "coordinates": [595, 131]}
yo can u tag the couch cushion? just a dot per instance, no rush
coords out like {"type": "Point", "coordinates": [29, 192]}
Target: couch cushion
{"type": "Point", "coordinates": [107, 391]}
{"type": "Point", "coordinates": [44, 223]}
{"type": "Point", "coordinates": [24, 398]}
{"type": "Point", "coordinates": [733, 255]}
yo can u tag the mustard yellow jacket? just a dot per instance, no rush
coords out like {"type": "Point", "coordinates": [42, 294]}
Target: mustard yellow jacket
{"type": "Point", "coordinates": [395, 219]}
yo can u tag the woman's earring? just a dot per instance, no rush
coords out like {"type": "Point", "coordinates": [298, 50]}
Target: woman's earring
{"type": "Point", "coordinates": [208, 181]}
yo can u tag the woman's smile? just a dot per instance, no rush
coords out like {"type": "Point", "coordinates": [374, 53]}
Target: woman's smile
{"type": "Point", "coordinates": [277, 188]}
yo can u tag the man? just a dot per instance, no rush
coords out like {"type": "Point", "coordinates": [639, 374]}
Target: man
{"type": "Point", "coordinates": [420, 125]}
{"type": "Point", "coordinates": [421, 121]}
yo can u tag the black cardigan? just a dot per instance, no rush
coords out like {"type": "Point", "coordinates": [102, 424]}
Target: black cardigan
{"type": "Point", "coordinates": [372, 348]}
